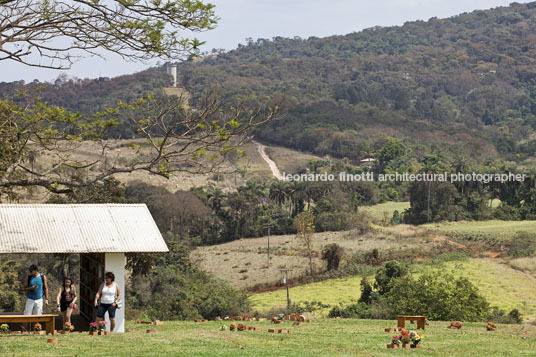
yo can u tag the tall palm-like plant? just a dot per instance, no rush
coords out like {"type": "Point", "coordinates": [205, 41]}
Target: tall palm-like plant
{"type": "Point", "coordinates": [278, 192]}
{"type": "Point", "coordinates": [253, 188]}
{"type": "Point", "coordinates": [215, 197]}
{"type": "Point", "coordinates": [296, 193]}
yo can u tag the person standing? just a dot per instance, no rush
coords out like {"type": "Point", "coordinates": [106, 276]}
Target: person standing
{"type": "Point", "coordinates": [66, 299]}
{"type": "Point", "coordinates": [109, 295]}
{"type": "Point", "coordinates": [35, 287]}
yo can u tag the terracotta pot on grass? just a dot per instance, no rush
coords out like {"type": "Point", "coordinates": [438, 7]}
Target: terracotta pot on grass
{"type": "Point", "coordinates": [392, 345]}
{"type": "Point", "coordinates": [93, 333]}
{"type": "Point", "coordinates": [52, 340]}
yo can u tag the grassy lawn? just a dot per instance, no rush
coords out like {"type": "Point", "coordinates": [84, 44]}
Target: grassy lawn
{"type": "Point", "coordinates": [386, 209]}
{"type": "Point", "coordinates": [494, 229]}
{"type": "Point", "coordinates": [319, 338]}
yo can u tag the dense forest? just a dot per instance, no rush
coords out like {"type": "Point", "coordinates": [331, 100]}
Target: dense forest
{"type": "Point", "coordinates": [465, 83]}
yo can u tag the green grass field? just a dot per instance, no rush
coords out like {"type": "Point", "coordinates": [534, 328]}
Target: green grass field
{"type": "Point", "coordinates": [329, 292]}
{"type": "Point", "coordinates": [382, 210]}
{"type": "Point", "coordinates": [502, 286]}
{"type": "Point", "coordinates": [345, 337]}
{"type": "Point", "coordinates": [494, 229]}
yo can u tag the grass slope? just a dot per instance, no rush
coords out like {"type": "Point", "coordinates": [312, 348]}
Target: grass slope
{"type": "Point", "coordinates": [502, 285]}
{"type": "Point", "coordinates": [385, 210]}
{"type": "Point", "coordinates": [287, 160]}
{"type": "Point", "coordinates": [330, 292]}
{"type": "Point", "coordinates": [319, 338]}
{"type": "Point", "coordinates": [244, 262]}
{"type": "Point", "coordinates": [493, 229]}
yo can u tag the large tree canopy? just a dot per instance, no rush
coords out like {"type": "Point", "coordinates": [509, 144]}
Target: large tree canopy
{"type": "Point", "coordinates": [54, 33]}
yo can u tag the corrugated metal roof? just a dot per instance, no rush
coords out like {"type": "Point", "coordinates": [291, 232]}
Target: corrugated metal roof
{"type": "Point", "coordinates": [78, 228]}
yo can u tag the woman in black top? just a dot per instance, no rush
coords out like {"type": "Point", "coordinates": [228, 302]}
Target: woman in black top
{"type": "Point", "coordinates": [66, 299]}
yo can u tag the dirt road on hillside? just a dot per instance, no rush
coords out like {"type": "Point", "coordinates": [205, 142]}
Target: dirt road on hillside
{"type": "Point", "coordinates": [273, 166]}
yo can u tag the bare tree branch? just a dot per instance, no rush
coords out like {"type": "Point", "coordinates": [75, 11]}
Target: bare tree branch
{"type": "Point", "coordinates": [61, 31]}
{"type": "Point", "coordinates": [178, 137]}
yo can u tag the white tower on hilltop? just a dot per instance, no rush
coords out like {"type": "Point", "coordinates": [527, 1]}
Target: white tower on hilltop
{"type": "Point", "coordinates": [172, 71]}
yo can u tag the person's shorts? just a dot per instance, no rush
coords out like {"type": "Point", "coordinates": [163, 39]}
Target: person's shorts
{"type": "Point", "coordinates": [64, 305]}
{"type": "Point", "coordinates": [106, 307]}
{"type": "Point", "coordinates": [34, 307]}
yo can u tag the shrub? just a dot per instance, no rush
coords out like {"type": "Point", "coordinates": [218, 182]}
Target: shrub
{"type": "Point", "coordinates": [332, 254]}
{"type": "Point", "coordinates": [359, 310]}
{"type": "Point", "coordinates": [439, 296]}
{"type": "Point", "coordinates": [507, 213]}
{"type": "Point", "coordinates": [389, 271]}
{"type": "Point", "coordinates": [176, 290]}
{"type": "Point", "coordinates": [397, 218]}
{"type": "Point", "coordinates": [500, 316]}
{"type": "Point", "coordinates": [333, 221]}
{"type": "Point", "coordinates": [10, 298]}
{"type": "Point", "coordinates": [366, 291]}
{"type": "Point", "coordinates": [522, 245]}
{"type": "Point", "coordinates": [308, 306]}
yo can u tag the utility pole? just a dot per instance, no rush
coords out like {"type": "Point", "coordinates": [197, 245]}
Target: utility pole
{"type": "Point", "coordinates": [268, 226]}
{"type": "Point", "coordinates": [285, 280]}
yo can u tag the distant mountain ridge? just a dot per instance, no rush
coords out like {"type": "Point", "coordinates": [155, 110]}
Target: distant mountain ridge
{"type": "Point", "coordinates": [461, 85]}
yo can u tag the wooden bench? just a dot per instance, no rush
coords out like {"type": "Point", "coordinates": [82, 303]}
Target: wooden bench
{"type": "Point", "coordinates": [48, 319]}
{"type": "Point", "coordinates": [421, 321]}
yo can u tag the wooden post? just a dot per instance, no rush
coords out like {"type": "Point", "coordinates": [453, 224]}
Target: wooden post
{"type": "Point", "coordinates": [268, 225]}
{"type": "Point", "coordinates": [52, 329]}
{"type": "Point", "coordinates": [401, 321]}
{"type": "Point", "coordinates": [421, 323]}
{"type": "Point", "coordinates": [268, 245]}
{"type": "Point", "coordinates": [286, 282]}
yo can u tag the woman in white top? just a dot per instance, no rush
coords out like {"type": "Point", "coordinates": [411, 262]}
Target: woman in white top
{"type": "Point", "coordinates": [109, 295]}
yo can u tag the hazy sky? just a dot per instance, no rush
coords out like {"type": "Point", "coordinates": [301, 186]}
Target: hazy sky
{"type": "Point", "coordinates": [241, 19]}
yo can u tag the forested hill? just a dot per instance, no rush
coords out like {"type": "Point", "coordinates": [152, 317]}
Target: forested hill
{"type": "Point", "coordinates": [462, 84]}
{"type": "Point", "coordinates": [466, 81]}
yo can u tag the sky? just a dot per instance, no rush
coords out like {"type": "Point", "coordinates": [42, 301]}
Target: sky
{"type": "Point", "coordinates": [241, 19]}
